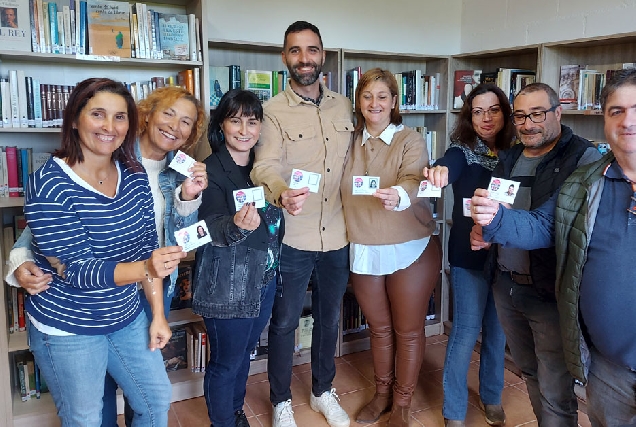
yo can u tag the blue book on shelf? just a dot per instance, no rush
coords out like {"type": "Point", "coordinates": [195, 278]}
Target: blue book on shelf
{"type": "Point", "coordinates": [55, 40]}
{"type": "Point", "coordinates": [174, 36]}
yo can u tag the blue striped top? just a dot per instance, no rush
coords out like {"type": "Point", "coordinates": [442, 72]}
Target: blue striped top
{"type": "Point", "coordinates": [90, 233]}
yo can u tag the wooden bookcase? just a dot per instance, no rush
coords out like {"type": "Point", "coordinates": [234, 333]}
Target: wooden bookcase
{"type": "Point", "coordinates": [68, 70]}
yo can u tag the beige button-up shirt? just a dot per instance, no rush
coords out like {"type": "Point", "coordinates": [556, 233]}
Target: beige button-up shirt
{"type": "Point", "coordinates": [298, 134]}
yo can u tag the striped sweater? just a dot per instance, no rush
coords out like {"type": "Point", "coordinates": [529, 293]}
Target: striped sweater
{"type": "Point", "coordinates": [90, 233]}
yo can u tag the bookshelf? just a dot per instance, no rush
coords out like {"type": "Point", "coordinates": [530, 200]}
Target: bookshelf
{"type": "Point", "coordinates": [68, 69]}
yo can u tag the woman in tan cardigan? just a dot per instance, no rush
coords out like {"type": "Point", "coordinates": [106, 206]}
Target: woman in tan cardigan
{"type": "Point", "coordinates": [395, 262]}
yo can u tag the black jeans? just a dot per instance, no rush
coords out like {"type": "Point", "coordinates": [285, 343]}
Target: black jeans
{"type": "Point", "coordinates": [330, 272]}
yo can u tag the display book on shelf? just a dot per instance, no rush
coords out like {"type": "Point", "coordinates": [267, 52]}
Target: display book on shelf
{"type": "Point", "coordinates": [61, 71]}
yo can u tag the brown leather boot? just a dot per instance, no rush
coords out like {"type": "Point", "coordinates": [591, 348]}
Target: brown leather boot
{"type": "Point", "coordinates": [371, 412]}
{"type": "Point", "coordinates": [400, 416]}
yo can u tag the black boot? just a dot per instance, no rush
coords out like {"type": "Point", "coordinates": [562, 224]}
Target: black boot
{"type": "Point", "coordinates": [240, 420]}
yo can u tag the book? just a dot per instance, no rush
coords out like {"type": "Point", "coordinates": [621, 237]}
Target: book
{"type": "Point", "coordinates": [174, 353]}
{"type": "Point", "coordinates": [183, 292]}
{"type": "Point", "coordinates": [174, 36]}
{"type": "Point", "coordinates": [53, 31]}
{"type": "Point", "coordinates": [569, 86]}
{"type": "Point", "coordinates": [259, 82]}
{"type": "Point", "coordinates": [219, 84]}
{"type": "Point", "coordinates": [108, 28]}
{"type": "Point", "coordinates": [15, 25]}
{"type": "Point", "coordinates": [12, 171]}
{"type": "Point", "coordinates": [465, 81]}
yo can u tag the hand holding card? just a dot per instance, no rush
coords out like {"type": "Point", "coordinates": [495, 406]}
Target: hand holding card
{"type": "Point", "coordinates": [503, 190]}
{"type": "Point", "coordinates": [181, 162]}
{"type": "Point", "coordinates": [247, 218]}
{"type": "Point", "coordinates": [428, 190]}
{"type": "Point", "coordinates": [244, 196]}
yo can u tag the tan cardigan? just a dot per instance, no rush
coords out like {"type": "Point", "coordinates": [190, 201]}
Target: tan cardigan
{"type": "Point", "coordinates": [400, 163]}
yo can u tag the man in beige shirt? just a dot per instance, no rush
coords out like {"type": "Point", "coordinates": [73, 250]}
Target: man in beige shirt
{"type": "Point", "coordinates": [306, 127]}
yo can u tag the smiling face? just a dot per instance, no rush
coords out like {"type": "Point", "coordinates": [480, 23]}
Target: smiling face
{"type": "Point", "coordinates": [241, 134]}
{"type": "Point", "coordinates": [376, 104]}
{"type": "Point", "coordinates": [102, 124]}
{"type": "Point", "coordinates": [538, 138]}
{"type": "Point", "coordinates": [490, 119]}
{"type": "Point", "coordinates": [304, 57]}
{"type": "Point", "coordinates": [620, 121]}
{"type": "Point", "coordinates": [168, 129]}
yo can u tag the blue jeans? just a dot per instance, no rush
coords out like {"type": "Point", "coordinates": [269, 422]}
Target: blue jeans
{"type": "Point", "coordinates": [531, 324]}
{"type": "Point", "coordinates": [231, 341]}
{"type": "Point", "coordinates": [473, 310]}
{"type": "Point", "coordinates": [610, 393]}
{"type": "Point", "coordinates": [75, 366]}
{"type": "Point", "coordinates": [329, 272]}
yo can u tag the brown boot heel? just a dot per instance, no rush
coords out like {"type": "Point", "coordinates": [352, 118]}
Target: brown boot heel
{"type": "Point", "coordinates": [400, 416]}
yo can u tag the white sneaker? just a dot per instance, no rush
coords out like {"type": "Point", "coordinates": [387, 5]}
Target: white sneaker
{"type": "Point", "coordinates": [327, 404]}
{"type": "Point", "coordinates": [283, 415]}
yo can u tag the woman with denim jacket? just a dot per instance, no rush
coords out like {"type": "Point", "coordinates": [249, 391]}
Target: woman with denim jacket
{"type": "Point", "coordinates": [170, 119]}
{"type": "Point", "coordinates": [235, 275]}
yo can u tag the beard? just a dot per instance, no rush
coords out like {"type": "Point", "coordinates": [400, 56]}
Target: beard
{"type": "Point", "coordinates": [306, 79]}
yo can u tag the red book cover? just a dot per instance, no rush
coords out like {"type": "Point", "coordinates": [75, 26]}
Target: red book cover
{"type": "Point", "coordinates": [21, 319]}
{"type": "Point", "coordinates": [12, 171]}
{"type": "Point", "coordinates": [465, 81]}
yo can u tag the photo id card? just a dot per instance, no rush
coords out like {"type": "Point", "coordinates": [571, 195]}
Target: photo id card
{"type": "Point", "coordinates": [429, 190]}
{"type": "Point", "coordinates": [503, 190]}
{"type": "Point", "coordinates": [365, 185]}
{"type": "Point", "coordinates": [181, 162]}
{"type": "Point", "coordinates": [193, 236]}
{"type": "Point", "coordinates": [249, 195]}
{"type": "Point", "coordinates": [301, 178]}
{"type": "Point", "coordinates": [466, 206]}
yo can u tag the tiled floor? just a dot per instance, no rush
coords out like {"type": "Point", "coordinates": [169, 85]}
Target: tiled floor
{"type": "Point", "coordinates": [354, 384]}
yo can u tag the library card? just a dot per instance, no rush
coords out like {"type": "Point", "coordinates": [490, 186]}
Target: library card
{"type": "Point", "coordinates": [181, 162]}
{"type": "Point", "coordinates": [249, 195]}
{"type": "Point", "coordinates": [193, 236]}
{"type": "Point", "coordinates": [428, 190]}
{"type": "Point", "coordinates": [301, 178]}
{"type": "Point", "coordinates": [503, 190]}
{"type": "Point", "coordinates": [365, 185]}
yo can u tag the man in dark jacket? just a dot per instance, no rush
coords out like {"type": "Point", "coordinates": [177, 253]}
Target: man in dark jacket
{"type": "Point", "coordinates": [594, 230]}
{"type": "Point", "coordinates": [524, 280]}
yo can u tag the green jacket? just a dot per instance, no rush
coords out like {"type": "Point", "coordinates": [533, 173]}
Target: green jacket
{"type": "Point", "coordinates": [576, 210]}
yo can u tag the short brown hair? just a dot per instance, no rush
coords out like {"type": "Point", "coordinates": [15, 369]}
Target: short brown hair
{"type": "Point", "coordinates": [161, 99]}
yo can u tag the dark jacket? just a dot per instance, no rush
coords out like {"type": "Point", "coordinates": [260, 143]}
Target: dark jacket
{"type": "Point", "coordinates": [553, 170]}
{"type": "Point", "coordinates": [229, 271]}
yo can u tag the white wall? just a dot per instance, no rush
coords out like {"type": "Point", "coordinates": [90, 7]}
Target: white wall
{"type": "Point", "coordinates": [401, 26]}
{"type": "Point", "coordinates": [493, 24]}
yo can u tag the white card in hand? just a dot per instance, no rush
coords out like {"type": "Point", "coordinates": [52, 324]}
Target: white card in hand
{"type": "Point", "coordinates": [365, 185]}
{"type": "Point", "coordinates": [193, 236]}
{"type": "Point", "coordinates": [301, 178]}
{"type": "Point", "coordinates": [466, 206]}
{"type": "Point", "coordinates": [503, 190]}
{"type": "Point", "coordinates": [428, 190]}
{"type": "Point", "coordinates": [181, 162]}
{"type": "Point", "coordinates": [249, 195]}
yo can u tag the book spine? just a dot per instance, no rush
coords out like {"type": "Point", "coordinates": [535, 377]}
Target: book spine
{"type": "Point", "coordinates": [23, 381]}
{"type": "Point", "coordinates": [15, 100]}
{"type": "Point", "coordinates": [14, 301]}
{"type": "Point", "coordinates": [82, 27]}
{"type": "Point", "coordinates": [30, 102]}
{"type": "Point", "coordinates": [78, 21]}
{"type": "Point", "coordinates": [37, 103]}
{"type": "Point", "coordinates": [155, 17]}
{"type": "Point", "coordinates": [66, 20]}
{"type": "Point", "coordinates": [41, 26]}
{"type": "Point", "coordinates": [20, 176]}
{"type": "Point", "coordinates": [60, 32]}
{"type": "Point", "coordinates": [197, 29]}
{"type": "Point", "coordinates": [72, 27]}
{"type": "Point", "coordinates": [192, 37]}
{"type": "Point", "coordinates": [26, 166]}
{"type": "Point", "coordinates": [21, 318]}
{"type": "Point", "coordinates": [133, 53]}
{"type": "Point", "coordinates": [46, 19]}
{"type": "Point", "coordinates": [55, 41]}
{"type": "Point", "coordinates": [23, 100]}
{"type": "Point", "coordinates": [5, 95]}
{"type": "Point", "coordinates": [35, 45]}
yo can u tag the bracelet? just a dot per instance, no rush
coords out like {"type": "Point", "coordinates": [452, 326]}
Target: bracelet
{"type": "Point", "coordinates": [148, 277]}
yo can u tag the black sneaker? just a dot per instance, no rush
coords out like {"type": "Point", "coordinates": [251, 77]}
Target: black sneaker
{"type": "Point", "coordinates": [240, 420]}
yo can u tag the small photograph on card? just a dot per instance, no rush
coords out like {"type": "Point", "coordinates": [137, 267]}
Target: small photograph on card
{"type": "Point", "coordinates": [249, 195]}
{"type": "Point", "coordinates": [428, 190]}
{"type": "Point", "coordinates": [466, 206]}
{"type": "Point", "coordinates": [365, 185]}
{"type": "Point", "coordinates": [193, 236]}
{"type": "Point", "coordinates": [503, 190]}
{"type": "Point", "coordinates": [181, 162]}
{"type": "Point", "coordinates": [301, 179]}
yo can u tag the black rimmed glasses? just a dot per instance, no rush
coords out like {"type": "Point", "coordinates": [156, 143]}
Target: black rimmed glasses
{"type": "Point", "coordinates": [492, 111]}
{"type": "Point", "coordinates": [535, 117]}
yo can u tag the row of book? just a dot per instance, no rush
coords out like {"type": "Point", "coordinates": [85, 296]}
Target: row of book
{"type": "Point", "coordinates": [27, 377]}
{"type": "Point", "coordinates": [509, 80]}
{"type": "Point", "coordinates": [187, 349]}
{"type": "Point", "coordinates": [580, 88]}
{"type": "Point", "coordinates": [15, 166]}
{"type": "Point", "coordinates": [105, 28]}
{"type": "Point", "coordinates": [265, 84]}
{"type": "Point", "coordinates": [430, 136]}
{"type": "Point", "coordinates": [27, 103]}
{"type": "Point", "coordinates": [416, 91]}
{"type": "Point", "coordinates": [16, 318]}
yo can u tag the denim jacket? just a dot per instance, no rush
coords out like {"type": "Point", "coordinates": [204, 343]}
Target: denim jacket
{"type": "Point", "coordinates": [169, 181]}
{"type": "Point", "coordinates": [230, 271]}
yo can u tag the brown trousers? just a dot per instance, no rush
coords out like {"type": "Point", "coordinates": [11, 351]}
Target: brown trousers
{"type": "Point", "coordinates": [395, 306]}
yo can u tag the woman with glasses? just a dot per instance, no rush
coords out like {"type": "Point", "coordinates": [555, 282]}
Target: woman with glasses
{"type": "Point", "coordinates": [483, 128]}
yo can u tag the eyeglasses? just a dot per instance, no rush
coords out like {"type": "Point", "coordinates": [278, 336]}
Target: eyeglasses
{"type": "Point", "coordinates": [492, 111]}
{"type": "Point", "coordinates": [535, 117]}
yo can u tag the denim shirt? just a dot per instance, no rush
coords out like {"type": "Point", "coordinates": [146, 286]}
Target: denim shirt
{"type": "Point", "coordinates": [169, 180]}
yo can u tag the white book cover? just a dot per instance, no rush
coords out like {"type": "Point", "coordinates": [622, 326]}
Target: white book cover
{"type": "Point", "coordinates": [23, 100]}
{"type": "Point", "coordinates": [3, 184]}
{"type": "Point", "coordinates": [66, 24]}
{"type": "Point", "coordinates": [43, 47]}
{"type": "Point", "coordinates": [39, 159]}
{"type": "Point", "coordinates": [193, 37]}
{"type": "Point", "coordinates": [60, 32]}
{"type": "Point", "coordinates": [37, 103]}
{"type": "Point", "coordinates": [15, 100]}
{"type": "Point", "coordinates": [77, 26]}
{"type": "Point", "coordinates": [15, 25]}
{"type": "Point", "coordinates": [197, 29]}
{"type": "Point", "coordinates": [5, 97]}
